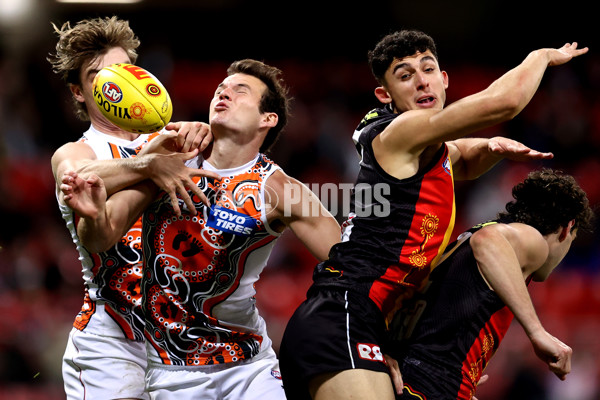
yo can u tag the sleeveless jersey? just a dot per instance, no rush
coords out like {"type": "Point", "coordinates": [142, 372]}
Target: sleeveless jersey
{"type": "Point", "coordinates": [112, 278]}
{"type": "Point", "coordinates": [200, 271]}
{"type": "Point", "coordinates": [454, 329]}
{"type": "Point", "coordinates": [397, 228]}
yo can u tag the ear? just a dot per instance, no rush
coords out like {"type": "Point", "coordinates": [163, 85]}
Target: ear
{"type": "Point", "coordinates": [77, 92]}
{"type": "Point", "coordinates": [565, 230]}
{"type": "Point", "coordinates": [445, 79]}
{"type": "Point", "coordinates": [383, 95]}
{"type": "Point", "coordinates": [270, 119]}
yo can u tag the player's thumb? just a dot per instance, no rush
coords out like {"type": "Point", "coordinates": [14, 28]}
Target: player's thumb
{"type": "Point", "coordinates": [190, 154]}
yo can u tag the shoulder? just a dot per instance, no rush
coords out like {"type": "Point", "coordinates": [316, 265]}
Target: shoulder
{"type": "Point", "coordinates": [528, 243]}
{"type": "Point", "coordinates": [278, 183]}
{"type": "Point", "coordinates": [72, 151]}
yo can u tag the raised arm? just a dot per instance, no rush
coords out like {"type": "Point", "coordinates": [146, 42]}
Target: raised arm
{"type": "Point", "coordinates": [415, 130]}
{"type": "Point", "coordinates": [297, 207]}
{"type": "Point", "coordinates": [472, 157]}
{"type": "Point", "coordinates": [161, 161]}
{"type": "Point", "coordinates": [506, 254]}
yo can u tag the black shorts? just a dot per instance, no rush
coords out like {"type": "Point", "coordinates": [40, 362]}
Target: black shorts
{"type": "Point", "coordinates": [333, 330]}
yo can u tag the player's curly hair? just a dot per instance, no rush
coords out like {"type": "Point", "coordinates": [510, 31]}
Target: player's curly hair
{"type": "Point", "coordinates": [548, 200]}
{"type": "Point", "coordinates": [88, 39]}
{"type": "Point", "coordinates": [399, 44]}
{"type": "Point", "coordinates": [275, 99]}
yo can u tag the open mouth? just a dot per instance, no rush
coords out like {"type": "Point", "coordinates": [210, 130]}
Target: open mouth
{"type": "Point", "coordinates": [427, 100]}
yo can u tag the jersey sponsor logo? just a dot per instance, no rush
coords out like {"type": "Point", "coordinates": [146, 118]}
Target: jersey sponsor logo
{"type": "Point", "coordinates": [370, 352]}
{"type": "Point", "coordinates": [230, 221]}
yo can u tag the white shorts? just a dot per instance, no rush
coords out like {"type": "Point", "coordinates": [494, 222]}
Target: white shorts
{"type": "Point", "coordinates": [101, 368]}
{"type": "Point", "coordinates": [256, 379]}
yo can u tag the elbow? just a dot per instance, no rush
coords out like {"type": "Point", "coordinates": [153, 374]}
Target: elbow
{"type": "Point", "coordinates": [503, 105]}
{"type": "Point", "coordinates": [509, 106]}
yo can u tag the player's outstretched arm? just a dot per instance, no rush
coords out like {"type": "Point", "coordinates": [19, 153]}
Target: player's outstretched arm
{"type": "Point", "coordinates": [472, 157]}
{"type": "Point", "coordinates": [163, 162]}
{"type": "Point", "coordinates": [501, 101]}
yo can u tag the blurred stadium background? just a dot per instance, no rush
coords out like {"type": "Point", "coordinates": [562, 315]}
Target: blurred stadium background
{"type": "Point", "coordinates": [321, 48]}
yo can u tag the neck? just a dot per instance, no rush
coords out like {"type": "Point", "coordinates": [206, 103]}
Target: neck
{"type": "Point", "coordinates": [112, 130]}
{"type": "Point", "coordinates": [226, 153]}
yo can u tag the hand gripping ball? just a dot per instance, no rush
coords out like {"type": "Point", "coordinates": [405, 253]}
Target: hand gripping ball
{"type": "Point", "coordinates": [132, 98]}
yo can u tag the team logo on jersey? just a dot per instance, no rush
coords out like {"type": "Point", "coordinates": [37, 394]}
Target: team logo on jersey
{"type": "Point", "coordinates": [276, 374]}
{"type": "Point", "coordinates": [112, 92]}
{"type": "Point", "coordinates": [446, 165]}
{"type": "Point", "coordinates": [230, 221]}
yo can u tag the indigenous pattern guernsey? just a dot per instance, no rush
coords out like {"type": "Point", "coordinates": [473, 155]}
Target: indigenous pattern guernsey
{"type": "Point", "coordinates": [451, 330]}
{"type": "Point", "coordinates": [397, 228]}
{"type": "Point", "coordinates": [200, 270]}
{"type": "Point", "coordinates": [112, 278]}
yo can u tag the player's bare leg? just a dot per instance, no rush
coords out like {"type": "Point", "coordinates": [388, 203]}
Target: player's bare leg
{"type": "Point", "coordinates": [352, 384]}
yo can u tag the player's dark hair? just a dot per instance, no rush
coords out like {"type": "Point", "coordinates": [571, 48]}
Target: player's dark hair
{"type": "Point", "coordinates": [398, 45]}
{"type": "Point", "coordinates": [548, 200]}
{"type": "Point", "coordinates": [275, 99]}
{"type": "Point", "coordinates": [89, 39]}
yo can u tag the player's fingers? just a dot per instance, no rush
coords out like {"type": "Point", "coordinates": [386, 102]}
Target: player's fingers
{"type": "Point", "coordinates": [175, 203]}
{"type": "Point", "coordinates": [483, 379]}
{"type": "Point", "coordinates": [206, 141]}
{"type": "Point", "coordinates": [173, 126]}
{"type": "Point", "coordinates": [205, 173]}
{"type": "Point", "coordinates": [204, 199]}
{"type": "Point", "coordinates": [188, 155]}
{"type": "Point", "coordinates": [69, 176]}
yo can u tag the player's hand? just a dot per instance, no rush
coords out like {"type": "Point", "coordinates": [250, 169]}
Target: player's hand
{"type": "Point", "coordinates": [513, 150]}
{"type": "Point", "coordinates": [564, 54]}
{"type": "Point", "coordinates": [482, 380]}
{"type": "Point", "coordinates": [169, 173]}
{"type": "Point", "coordinates": [553, 352]}
{"type": "Point", "coordinates": [395, 374]}
{"type": "Point", "coordinates": [191, 135]}
{"type": "Point", "coordinates": [165, 143]}
{"type": "Point", "coordinates": [87, 197]}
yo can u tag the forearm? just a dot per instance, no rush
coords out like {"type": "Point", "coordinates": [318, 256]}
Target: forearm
{"type": "Point", "coordinates": [99, 234]}
{"type": "Point", "coordinates": [115, 217]}
{"type": "Point", "coordinates": [117, 174]}
{"type": "Point", "coordinates": [517, 86]}
{"type": "Point", "coordinates": [472, 158]}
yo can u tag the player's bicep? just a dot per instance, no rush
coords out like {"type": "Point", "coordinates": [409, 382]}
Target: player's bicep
{"type": "Point", "coordinates": [70, 157]}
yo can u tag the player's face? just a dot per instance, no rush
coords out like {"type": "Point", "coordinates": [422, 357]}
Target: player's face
{"type": "Point", "coordinates": [416, 82]}
{"type": "Point", "coordinates": [236, 103]}
{"type": "Point", "coordinates": [84, 92]}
